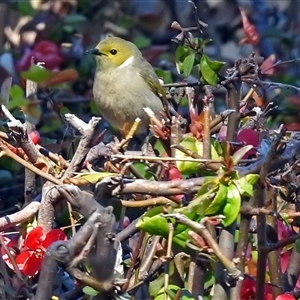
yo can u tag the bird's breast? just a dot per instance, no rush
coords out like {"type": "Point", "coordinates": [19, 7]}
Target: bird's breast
{"type": "Point", "coordinates": [121, 96]}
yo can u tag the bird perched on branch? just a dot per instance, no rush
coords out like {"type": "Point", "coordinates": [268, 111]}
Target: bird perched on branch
{"type": "Point", "coordinates": [125, 83]}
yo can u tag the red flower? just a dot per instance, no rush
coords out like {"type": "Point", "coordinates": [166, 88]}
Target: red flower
{"type": "Point", "coordinates": [248, 291]}
{"type": "Point", "coordinates": [285, 297]}
{"type": "Point", "coordinates": [44, 51]}
{"type": "Point", "coordinates": [36, 243]}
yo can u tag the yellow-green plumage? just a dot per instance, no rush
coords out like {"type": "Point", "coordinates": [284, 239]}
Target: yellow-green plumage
{"type": "Point", "coordinates": [124, 84]}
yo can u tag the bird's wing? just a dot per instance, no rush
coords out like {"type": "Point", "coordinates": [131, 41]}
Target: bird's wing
{"type": "Point", "coordinates": [149, 75]}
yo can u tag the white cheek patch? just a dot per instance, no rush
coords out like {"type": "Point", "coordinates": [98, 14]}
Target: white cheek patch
{"type": "Point", "coordinates": [126, 63]}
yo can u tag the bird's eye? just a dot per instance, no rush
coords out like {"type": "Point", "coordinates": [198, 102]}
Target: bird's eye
{"type": "Point", "coordinates": [113, 51]}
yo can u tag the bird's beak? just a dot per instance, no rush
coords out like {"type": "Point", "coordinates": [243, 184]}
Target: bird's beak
{"type": "Point", "coordinates": [94, 51]}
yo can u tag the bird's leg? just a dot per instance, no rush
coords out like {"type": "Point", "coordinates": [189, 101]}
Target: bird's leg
{"type": "Point", "coordinates": [146, 145]}
{"type": "Point", "coordinates": [147, 149]}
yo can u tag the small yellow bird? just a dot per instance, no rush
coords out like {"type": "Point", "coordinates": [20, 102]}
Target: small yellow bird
{"type": "Point", "coordinates": [125, 83]}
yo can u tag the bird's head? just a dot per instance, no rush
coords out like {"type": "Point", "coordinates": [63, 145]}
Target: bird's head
{"type": "Point", "coordinates": [114, 52]}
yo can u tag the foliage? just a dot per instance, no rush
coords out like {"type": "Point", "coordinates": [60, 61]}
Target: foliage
{"type": "Point", "coordinates": [221, 162]}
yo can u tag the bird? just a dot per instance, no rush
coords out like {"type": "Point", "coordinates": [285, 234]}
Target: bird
{"type": "Point", "coordinates": [124, 84]}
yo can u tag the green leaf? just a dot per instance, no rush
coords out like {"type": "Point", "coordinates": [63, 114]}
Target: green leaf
{"type": "Point", "coordinates": [188, 64]}
{"type": "Point", "coordinates": [191, 143]}
{"type": "Point", "coordinates": [159, 147]}
{"type": "Point", "coordinates": [90, 291]}
{"type": "Point", "coordinates": [201, 202]}
{"type": "Point", "coordinates": [209, 279]}
{"type": "Point", "coordinates": [155, 223]}
{"type": "Point", "coordinates": [18, 102]}
{"type": "Point", "coordinates": [252, 178]}
{"type": "Point", "coordinates": [214, 152]}
{"type": "Point", "coordinates": [189, 167]}
{"type": "Point", "coordinates": [233, 205]}
{"type": "Point", "coordinates": [245, 188]}
{"type": "Point", "coordinates": [215, 65]}
{"type": "Point", "coordinates": [153, 211]}
{"type": "Point", "coordinates": [171, 292]}
{"type": "Point", "coordinates": [156, 285]}
{"type": "Point", "coordinates": [16, 92]}
{"type": "Point", "coordinates": [180, 52]}
{"type": "Point", "coordinates": [217, 147]}
{"type": "Point", "coordinates": [209, 70]}
{"type": "Point", "coordinates": [158, 225]}
{"type": "Point", "coordinates": [178, 66]}
{"type": "Point", "coordinates": [94, 177]}
{"type": "Point", "coordinates": [142, 168]}
{"type": "Point", "coordinates": [74, 18]}
{"type": "Point", "coordinates": [218, 202]}
{"type": "Point", "coordinates": [201, 43]}
{"type": "Point", "coordinates": [209, 75]}
{"type": "Point", "coordinates": [238, 155]}
{"type": "Point", "coordinates": [209, 184]}
{"type": "Point", "coordinates": [36, 74]}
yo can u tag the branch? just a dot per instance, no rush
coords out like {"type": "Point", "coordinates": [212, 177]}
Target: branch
{"type": "Point", "coordinates": [20, 134]}
{"type": "Point", "coordinates": [162, 188]}
{"type": "Point", "coordinates": [87, 132]}
{"type": "Point", "coordinates": [261, 219]}
{"type": "Point", "coordinates": [28, 165]}
{"type": "Point", "coordinates": [30, 180]}
{"type": "Point", "coordinates": [234, 98]}
{"type": "Point", "coordinates": [19, 217]}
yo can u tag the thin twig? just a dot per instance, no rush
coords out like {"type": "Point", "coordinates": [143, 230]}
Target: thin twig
{"type": "Point", "coordinates": [280, 85]}
{"type": "Point", "coordinates": [168, 257]}
{"type": "Point", "coordinates": [280, 63]}
{"type": "Point", "coordinates": [154, 158]}
{"type": "Point", "coordinates": [29, 166]}
{"type": "Point", "coordinates": [149, 202]}
{"type": "Point", "coordinates": [186, 151]}
{"type": "Point", "coordinates": [233, 103]}
{"type": "Point", "coordinates": [182, 84]}
{"type": "Point", "coordinates": [12, 259]}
